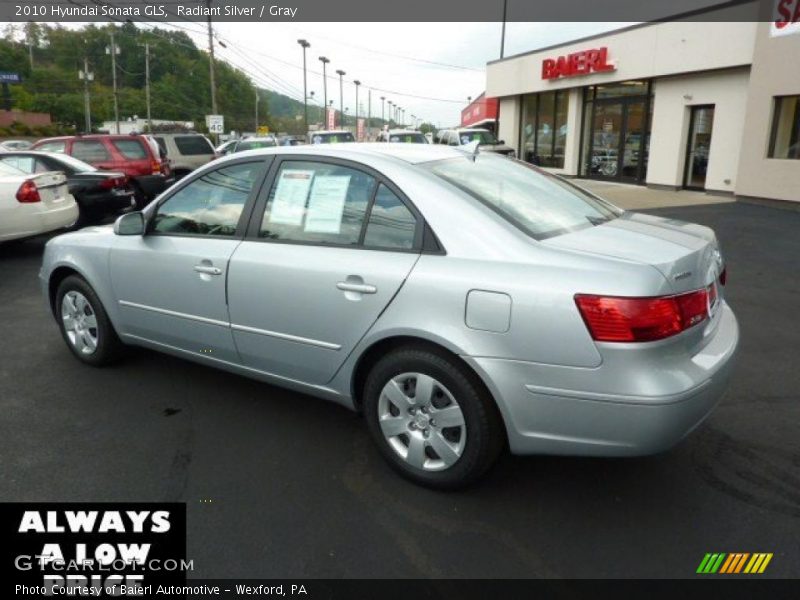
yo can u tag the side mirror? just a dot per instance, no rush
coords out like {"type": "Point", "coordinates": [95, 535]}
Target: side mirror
{"type": "Point", "coordinates": [130, 224]}
{"type": "Point", "coordinates": [500, 142]}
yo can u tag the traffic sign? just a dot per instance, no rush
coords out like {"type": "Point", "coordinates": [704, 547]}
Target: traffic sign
{"type": "Point", "coordinates": [7, 77]}
{"type": "Point", "coordinates": [215, 123]}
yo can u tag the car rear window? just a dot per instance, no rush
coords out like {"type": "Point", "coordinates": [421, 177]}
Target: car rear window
{"type": "Point", "coordinates": [89, 150]}
{"type": "Point", "coordinates": [332, 138]}
{"type": "Point", "coordinates": [192, 145]}
{"type": "Point", "coordinates": [540, 204]}
{"type": "Point", "coordinates": [132, 149]}
{"type": "Point", "coordinates": [255, 144]}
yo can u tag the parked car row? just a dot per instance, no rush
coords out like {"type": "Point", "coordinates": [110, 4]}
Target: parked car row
{"type": "Point", "coordinates": [104, 174]}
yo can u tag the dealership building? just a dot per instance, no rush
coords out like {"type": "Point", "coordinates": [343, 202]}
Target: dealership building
{"type": "Point", "coordinates": [713, 106]}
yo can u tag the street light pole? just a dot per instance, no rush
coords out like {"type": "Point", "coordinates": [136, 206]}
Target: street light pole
{"type": "Point", "coordinates": [324, 62]}
{"type": "Point", "coordinates": [341, 74]}
{"type": "Point", "coordinates": [357, 83]}
{"type": "Point", "coordinates": [256, 130]}
{"type": "Point", "coordinates": [305, 45]}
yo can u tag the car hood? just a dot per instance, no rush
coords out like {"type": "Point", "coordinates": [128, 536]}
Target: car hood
{"type": "Point", "coordinates": [685, 253]}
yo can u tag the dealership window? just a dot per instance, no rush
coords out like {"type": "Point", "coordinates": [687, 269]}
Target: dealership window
{"type": "Point", "coordinates": [544, 128]}
{"type": "Point", "coordinates": [785, 142]}
{"type": "Point", "coordinates": [615, 136]}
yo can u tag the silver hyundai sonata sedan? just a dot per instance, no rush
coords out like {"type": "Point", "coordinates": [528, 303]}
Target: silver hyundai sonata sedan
{"type": "Point", "coordinates": [463, 302]}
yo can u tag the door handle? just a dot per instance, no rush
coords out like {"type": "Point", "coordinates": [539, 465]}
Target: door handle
{"type": "Point", "coordinates": [361, 288]}
{"type": "Point", "coordinates": [208, 270]}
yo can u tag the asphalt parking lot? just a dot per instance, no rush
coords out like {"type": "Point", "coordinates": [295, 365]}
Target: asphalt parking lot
{"type": "Point", "coordinates": [297, 490]}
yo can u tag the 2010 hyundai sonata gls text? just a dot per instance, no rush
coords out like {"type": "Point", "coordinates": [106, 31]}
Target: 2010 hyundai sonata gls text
{"type": "Point", "coordinates": [463, 302]}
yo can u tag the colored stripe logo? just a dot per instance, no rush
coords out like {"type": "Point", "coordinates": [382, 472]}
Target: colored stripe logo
{"type": "Point", "coordinates": [734, 563]}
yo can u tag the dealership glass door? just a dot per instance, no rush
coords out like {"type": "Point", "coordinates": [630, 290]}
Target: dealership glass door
{"type": "Point", "coordinates": [701, 122]}
{"type": "Point", "coordinates": [616, 132]}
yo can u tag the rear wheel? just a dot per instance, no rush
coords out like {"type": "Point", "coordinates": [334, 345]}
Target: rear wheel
{"type": "Point", "coordinates": [431, 418]}
{"type": "Point", "coordinates": [84, 324]}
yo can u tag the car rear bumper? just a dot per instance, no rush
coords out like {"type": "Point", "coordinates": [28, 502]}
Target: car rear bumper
{"type": "Point", "coordinates": [109, 202]}
{"type": "Point", "coordinates": [655, 405]}
{"type": "Point", "coordinates": [36, 219]}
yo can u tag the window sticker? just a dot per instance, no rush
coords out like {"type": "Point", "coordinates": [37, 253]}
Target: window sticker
{"type": "Point", "coordinates": [326, 204]}
{"type": "Point", "coordinates": [290, 197]}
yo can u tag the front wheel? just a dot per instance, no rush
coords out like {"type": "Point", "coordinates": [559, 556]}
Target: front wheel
{"type": "Point", "coordinates": [84, 324]}
{"type": "Point", "coordinates": [431, 418]}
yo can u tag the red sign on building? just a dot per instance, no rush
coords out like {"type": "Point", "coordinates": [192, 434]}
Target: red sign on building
{"type": "Point", "coordinates": [577, 63]}
{"type": "Point", "coordinates": [479, 111]}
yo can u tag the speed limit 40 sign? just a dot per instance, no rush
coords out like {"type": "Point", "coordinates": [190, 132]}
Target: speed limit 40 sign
{"type": "Point", "coordinates": [215, 123]}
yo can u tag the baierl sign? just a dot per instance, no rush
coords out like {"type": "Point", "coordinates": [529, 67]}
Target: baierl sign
{"type": "Point", "coordinates": [785, 18]}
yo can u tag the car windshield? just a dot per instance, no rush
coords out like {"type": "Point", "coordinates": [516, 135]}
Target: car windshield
{"type": "Point", "coordinates": [482, 137]}
{"type": "Point", "coordinates": [408, 138]}
{"type": "Point", "coordinates": [332, 138]}
{"type": "Point", "coordinates": [540, 204]}
{"type": "Point", "coordinates": [255, 144]}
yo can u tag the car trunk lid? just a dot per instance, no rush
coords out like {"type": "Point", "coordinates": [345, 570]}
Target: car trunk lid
{"type": "Point", "coordinates": [52, 187]}
{"type": "Point", "coordinates": [686, 254]}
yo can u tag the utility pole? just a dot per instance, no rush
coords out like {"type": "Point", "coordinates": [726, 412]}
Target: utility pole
{"type": "Point", "coordinates": [369, 109]}
{"type": "Point", "coordinates": [503, 34]}
{"type": "Point", "coordinates": [383, 99]}
{"type": "Point", "coordinates": [256, 129]}
{"type": "Point", "coordinates": [211, 75]}
{"type": "Point", "coordinates": [341, 74]}
{"type": "Point", "coordinates": [147, 85]}
{"type": "Point", "coordinates": [86, 76]}
{"type": "Point", "coordinates": [113, 50]}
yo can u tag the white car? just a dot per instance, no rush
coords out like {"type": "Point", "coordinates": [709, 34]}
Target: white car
{"type": "Point", "coordinates": [32, 204]}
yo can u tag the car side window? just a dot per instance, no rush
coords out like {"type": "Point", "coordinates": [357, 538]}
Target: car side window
{"type": "Point", "coordinates": [391, 224]}
{"type": "Point", "coordinates": [59, 147]}
{"type": "Point", "coordinates": [90, 150]}
{"type": "Point", "coordinates": [317, 202]}
{"type": "Point", "coordinates": [209, 205]}
{"type": "Point", "coordinates": [23, 163]}
{"type": "Point", "coordinates": [130, 149]}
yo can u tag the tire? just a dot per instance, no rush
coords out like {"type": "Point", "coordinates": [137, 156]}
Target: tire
{"type": "Point", "coordinates": [459, 448]}
{"type": "Point", "coordinates": [92, 338]}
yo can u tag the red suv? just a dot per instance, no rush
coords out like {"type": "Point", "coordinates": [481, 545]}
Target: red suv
{"type": "Point", "coordinates": [135, 155]}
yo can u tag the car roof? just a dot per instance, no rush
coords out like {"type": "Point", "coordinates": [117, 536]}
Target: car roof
{"type": "Point", "coordinates": [406, 131]}
{"type": "Point", "coordinates": [323, 131]}
{"type": "Point", "coordinates": [408, 153]}
{"type": "Point", "coordinates": [257, 138]}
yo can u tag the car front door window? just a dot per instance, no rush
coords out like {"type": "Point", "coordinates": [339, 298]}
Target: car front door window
{"type": "Point", "coordinates": [210, 205]}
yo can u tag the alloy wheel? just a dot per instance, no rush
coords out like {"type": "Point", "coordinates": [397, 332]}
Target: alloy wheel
{"type": "Point", "coordinates": [422, 421]}
{"type": "Point", "coordinates": [80, 322]}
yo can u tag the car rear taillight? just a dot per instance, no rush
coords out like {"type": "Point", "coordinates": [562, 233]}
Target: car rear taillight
{"type": "Point", "coordinates": [113, 182]}
{"type": "Point", "coordinates": [156, 166]}
{"type": "Point", "coordinates": [723, 277]}
{"type": "Point", "coordinates": [28, 193]}
{"type": "Point", "coordinates": [622, 319]}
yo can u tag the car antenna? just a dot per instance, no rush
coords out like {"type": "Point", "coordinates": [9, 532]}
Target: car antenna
{"type": "Point", "coordinates": [471, 149]}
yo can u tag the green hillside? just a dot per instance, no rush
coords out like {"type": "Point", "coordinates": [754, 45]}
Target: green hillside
{"type": "Point", "coordinates": [179, 75]}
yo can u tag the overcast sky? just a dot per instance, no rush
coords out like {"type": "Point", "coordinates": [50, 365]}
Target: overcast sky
{"type": "Point", "coordinates": [429, 69]}
{"type": "Point", "coordinates": [390, 57]}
